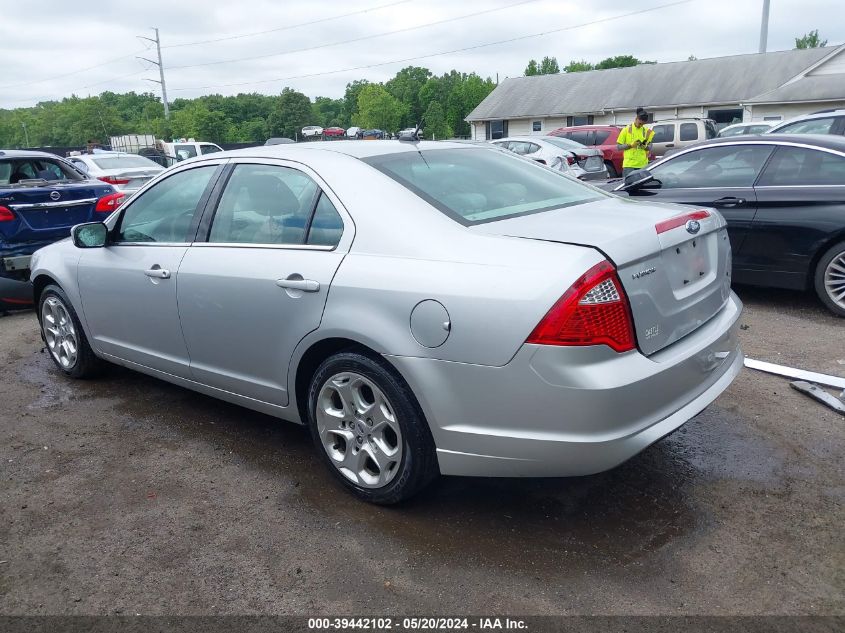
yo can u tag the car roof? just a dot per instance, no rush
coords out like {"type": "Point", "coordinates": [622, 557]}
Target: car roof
{"type": "Point", "coordinates": [826, 141]}
{"type": "Point", "coordinates": [355, 149]}
{"type": "Point", "coordinates": [25, 153]}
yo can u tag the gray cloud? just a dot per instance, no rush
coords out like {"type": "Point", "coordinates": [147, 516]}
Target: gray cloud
{"type": "Point", "coordinates": [65, 37]}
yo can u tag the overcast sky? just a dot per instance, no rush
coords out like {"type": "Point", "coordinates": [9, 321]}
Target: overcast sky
{"type": "Point", "coordinates": [49, 49]}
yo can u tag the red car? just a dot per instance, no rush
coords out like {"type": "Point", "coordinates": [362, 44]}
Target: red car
{"type": "Point", "coordinates": [601, 137]}
{"type": "Point", "coordinates": [334, 132]}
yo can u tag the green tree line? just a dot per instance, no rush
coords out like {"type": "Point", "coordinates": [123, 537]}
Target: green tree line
{"type": "Point", "coordinates": [400, 102]}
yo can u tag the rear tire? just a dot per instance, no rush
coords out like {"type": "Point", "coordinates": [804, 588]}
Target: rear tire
{"type": "Point", "coordinates": [369, 430]}
{"type": "Point", "coordinates": [830, 279]}
{"type": "Point", "coordinates": [63, 335]}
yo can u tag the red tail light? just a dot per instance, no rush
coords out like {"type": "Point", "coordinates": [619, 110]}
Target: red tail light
{"type": "Point", "coordinates": [6, 214]}
{"type": "Point", "coordinates": [109, 203]}
{"type": "Point", "coordinates": [680, 220]}
{"type": "Point", "coordinates": [594, 311]}
{"type": "Point", "coordinates": [114, 180]}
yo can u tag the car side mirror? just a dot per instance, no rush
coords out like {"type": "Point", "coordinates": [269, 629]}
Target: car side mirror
{"type": "Point", "coordinates": [635, 180]}
{"type": "Point", "coordinates": [90, 235]}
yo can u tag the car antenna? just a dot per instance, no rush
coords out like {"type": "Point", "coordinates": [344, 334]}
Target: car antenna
{"type": "Point", "coordinates": [413, 137]}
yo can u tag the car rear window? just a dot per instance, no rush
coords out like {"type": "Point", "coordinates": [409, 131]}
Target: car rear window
{"type": "Point", "coordinates": [472, 186]}
{"type": "Point", "coordinates": [119, 162]}
{"type": "Point", "coordinates": [13, 170]}
{"type": "Point", "coordinates": [563, 143]}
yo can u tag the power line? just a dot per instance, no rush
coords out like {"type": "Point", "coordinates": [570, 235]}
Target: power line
{"type": "Point", "coordinates": [220, 39]}
{"type": "Point", "coordinates": [449, 52]}
{"type": "Point", "coordinates": [356, 39]}
{"type": "Point", "coordinates": [74, 72]}
{"type": "Point", "coordinates": [287, 28]}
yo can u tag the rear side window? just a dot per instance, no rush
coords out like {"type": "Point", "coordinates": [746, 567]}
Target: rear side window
{"type": "Point", "coordinates": [663, 133]}
{"type": "Point", "coordinates": [810, 126]}
{"type": "Point", "coordinates": [689, 131]}
{"type": "Point", "coordinates": [799, 166]}
{"type": "Point", "coordinates": [264, 204]}
{"type": "Point", "coordinates": [184, 152]}
{"type": "Point", "coordinates": [474, 186]}
{"type": "Point", "coordinates": [326, 225]}
{"type": "Point", "coordinates": [731, 166]}
{"type": "Point", "coordinates": [209, 149]}
{"type": "Point", "coordinates": [601, 137]}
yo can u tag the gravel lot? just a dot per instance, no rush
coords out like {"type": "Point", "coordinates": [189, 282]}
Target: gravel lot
{"type": "Point", "coordinates": [128, 495]}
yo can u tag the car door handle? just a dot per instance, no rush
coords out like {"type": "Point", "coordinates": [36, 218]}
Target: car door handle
{"type": "Point", "coordinates": [158, 273]}
{"type": "Point", "coordinates": [729, 201]}
{"type": "Point", "coordinates": [307, 285]}
{"type": "Point", "coordinates": [670, 145]}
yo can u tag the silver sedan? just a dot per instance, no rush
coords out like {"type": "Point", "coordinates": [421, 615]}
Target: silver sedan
{"type": "Point", "coordinates": [424, 308]}
{"type": "Point", "coordinates": [125, 172]}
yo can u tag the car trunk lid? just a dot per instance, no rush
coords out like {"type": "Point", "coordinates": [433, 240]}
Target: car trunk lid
{"type": "Point", "coordinates": [128, 178]}
{"type": "Point", "coordinates": [675, 279]}
{"type": "Point", "coordinates": [46, 211]}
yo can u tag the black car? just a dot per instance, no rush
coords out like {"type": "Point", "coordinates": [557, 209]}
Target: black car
{"type": "Point", "coordinates": [783, 197]}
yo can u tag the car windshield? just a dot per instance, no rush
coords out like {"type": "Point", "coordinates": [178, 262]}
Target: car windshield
{"type": "Point", "coordinates": [120, 162]}
{"type": "Point", "coordinates": [473, 186]}
{"type": "Point", "coordinates": [563, 143]}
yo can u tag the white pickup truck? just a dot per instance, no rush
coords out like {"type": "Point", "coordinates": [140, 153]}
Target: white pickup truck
{"type": "Point", "coordinates": [175, 151]}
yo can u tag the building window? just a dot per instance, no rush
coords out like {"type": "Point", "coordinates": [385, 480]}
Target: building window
{"type": "Point", "coordinates": [496, 130]}
{"type": "Point", "coordinates": [579, 120]}
{"type": "Point", "coordinates": [537, 126]}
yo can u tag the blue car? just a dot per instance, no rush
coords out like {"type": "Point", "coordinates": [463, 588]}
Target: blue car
{"type": "Point", "coordinates": [41, 197]}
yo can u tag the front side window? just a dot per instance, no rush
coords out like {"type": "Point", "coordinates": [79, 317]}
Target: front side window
{"type": "Point", "coordinates": [731, 166]}
{"type": "Point", "coordinates": [474, 186]}
{"type": "Point", "coordinates": [689, 131]}
{"type": "Point", "coordinates": [800, 166]}
{"type": "Point", "coordinates": [165, 211]}
{"type": "Point", "coordinates": [264, 204]}
{"type": "Point", "coordinates": [810, 126]}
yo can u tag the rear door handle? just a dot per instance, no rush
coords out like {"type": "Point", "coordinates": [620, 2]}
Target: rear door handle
{"type": "Point", "coordinates": [670, 145]}
{"type": "Point", "coordinates": [729, 201]}
{"type": "Point", "coordinates": [307, 285]}
{"type": "Point", "coordinates": [158, 273]}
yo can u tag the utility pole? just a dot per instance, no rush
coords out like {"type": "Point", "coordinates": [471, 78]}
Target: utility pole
{"type": "Point", "coordinates": [764, 27]}
{"type": "Point", "coordinates": [25, 133]}
{"type": "Point", "coordinates": [160, 71]}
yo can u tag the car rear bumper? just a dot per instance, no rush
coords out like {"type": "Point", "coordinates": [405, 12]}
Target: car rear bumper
{"type": "Point", "coordinates": [563, 411]}
{"type": "Point", "coordinates": [15, 293]}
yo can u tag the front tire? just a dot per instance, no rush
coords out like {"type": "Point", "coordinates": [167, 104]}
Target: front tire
{"type": "Point", "coordinates": [830, 279]}
{"type": "Point", "coordinates": [369, 430]}
{"type": "Point", "coordinates": [63, 335]}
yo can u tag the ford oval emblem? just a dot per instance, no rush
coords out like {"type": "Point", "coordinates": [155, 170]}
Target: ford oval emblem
{"type": "Point", "coordinates": [693, 226]}
{"type": "Point", "coordinates": [55, 195]}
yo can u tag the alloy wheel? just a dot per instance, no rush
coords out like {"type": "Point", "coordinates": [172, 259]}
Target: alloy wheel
{"type": "Point", "coordinates": [834, 280]}
{"type": "Point", "coordinates": [59, 332]}
{"type": "Point", "coordinates": [358, 430]}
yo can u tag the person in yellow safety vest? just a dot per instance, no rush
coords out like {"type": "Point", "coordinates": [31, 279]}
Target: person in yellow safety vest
{"type": "Point", "coordinates": [635, 141]}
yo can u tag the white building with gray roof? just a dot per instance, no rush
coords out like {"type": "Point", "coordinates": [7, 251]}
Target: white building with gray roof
{"type": "Point", "coordinates": [756, 87]}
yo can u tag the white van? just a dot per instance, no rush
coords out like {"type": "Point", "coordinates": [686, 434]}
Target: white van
{"type": "Point", "coordinates": [677, 133]}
